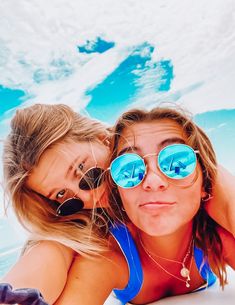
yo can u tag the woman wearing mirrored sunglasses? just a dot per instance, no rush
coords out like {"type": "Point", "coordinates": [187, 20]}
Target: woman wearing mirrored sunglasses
{"type": "Point", "coordinates": [163, 242]}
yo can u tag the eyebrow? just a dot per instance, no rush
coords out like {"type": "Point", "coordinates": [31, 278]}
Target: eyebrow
{"type": "Point", "coordinates": [71, 166]}
{"type": "Point", "coordinates": [160, 145]}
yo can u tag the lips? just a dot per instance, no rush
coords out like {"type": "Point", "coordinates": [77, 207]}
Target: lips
{"type": "Point", "coordinates": [156, 203]}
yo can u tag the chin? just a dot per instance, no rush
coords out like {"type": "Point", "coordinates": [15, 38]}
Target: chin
{"type": "Point", "coordinates": [159, 233]}
{"type": "Point", "coordinates": [159, 230]}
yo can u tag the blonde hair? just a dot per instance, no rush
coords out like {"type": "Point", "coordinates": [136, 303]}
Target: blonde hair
{"type": "Point", "coordinates": [204, 229]}
{"type": "Point", "coordinates": [34, 130]}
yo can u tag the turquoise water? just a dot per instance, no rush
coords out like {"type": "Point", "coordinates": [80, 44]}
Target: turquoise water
{"type": "Point", "coordinates": [133, 77]}
{"type": "Point", "coordinates": [8, 259]}
{"type": "Point", "coordinates": [9, 99]}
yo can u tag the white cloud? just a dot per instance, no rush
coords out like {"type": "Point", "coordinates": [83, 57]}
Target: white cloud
{"type": "Point", "coordinates": [198, 36]}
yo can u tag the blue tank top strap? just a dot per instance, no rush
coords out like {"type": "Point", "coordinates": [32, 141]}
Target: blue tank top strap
{"type": "Point", "coordinates": [203, 267]}
{"type": "Point", "coordinates": [123, 237]}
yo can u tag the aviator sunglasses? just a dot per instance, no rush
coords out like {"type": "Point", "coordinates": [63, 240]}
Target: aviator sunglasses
{"type": "Point", "coordinates": [176, 161]}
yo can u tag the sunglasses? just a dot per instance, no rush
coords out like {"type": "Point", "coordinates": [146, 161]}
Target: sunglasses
{"type": "Point", "coordinates": [91, 179]}
{"type": "Point", "coordinates": [176, 162]}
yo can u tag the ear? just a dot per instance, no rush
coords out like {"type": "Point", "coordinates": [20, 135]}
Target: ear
{"type": "Point", "coordinates": [203, 192]}
{"type": "Point", "coordinates": [205, 196]}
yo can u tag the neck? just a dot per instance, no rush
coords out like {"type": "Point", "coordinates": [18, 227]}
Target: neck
{"type": "Point", "coordinates": [172, 246]}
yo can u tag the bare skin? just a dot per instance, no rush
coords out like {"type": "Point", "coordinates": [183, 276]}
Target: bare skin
{"type": "Point", "coordinates": [44, 266]}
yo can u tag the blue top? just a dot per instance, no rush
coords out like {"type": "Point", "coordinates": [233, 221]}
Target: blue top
{"type": "Point", "coordinates": [127, 245]}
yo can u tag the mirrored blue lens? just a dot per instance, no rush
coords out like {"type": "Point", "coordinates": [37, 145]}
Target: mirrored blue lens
{"type": "Point", "coordinates": [177, 161]}
{"type": "Point", "coordinates": [128, 170]}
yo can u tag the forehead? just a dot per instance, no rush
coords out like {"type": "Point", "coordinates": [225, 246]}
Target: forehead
{"type": "Point", "coordinates": [66, 150]}
{"type": "Point", "coordinates": [154, 132]}
{"type": "Point", "coordinates": [54, 163]}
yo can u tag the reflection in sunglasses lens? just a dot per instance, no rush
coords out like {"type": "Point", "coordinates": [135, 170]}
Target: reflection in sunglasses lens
{"type": "Point", "coordinates": [128, 170]}
{"type": "Point", "coordinates": [177, 161]}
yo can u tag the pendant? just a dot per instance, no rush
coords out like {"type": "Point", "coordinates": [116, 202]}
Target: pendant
{"type": "Point", "coordinates": [184, 272]}
{"type": "Point", "coordinates": [187, 282]}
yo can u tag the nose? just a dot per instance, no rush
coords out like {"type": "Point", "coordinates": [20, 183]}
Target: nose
{"type": "Point", "coordinates": [73, 190]}
{"type": "Point", "coordinates": [154, 180]}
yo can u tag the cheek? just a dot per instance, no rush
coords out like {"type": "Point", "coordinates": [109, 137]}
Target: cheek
{"type": "Point", "coordinates": [128, 198]}
{"type": "Point", "coordinates": [87, 198]}
{"type": "Point", "coordinates": [194, 192]}
{"type": "Point", "coordinates": [193, 200]}
{"type": "Point", "coordinates": [99, 195]}
{"type": "Point", "coordinates": [193, 196]}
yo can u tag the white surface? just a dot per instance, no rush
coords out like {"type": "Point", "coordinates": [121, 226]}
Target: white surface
{"type": "Point", "coordinates": [211, 296]}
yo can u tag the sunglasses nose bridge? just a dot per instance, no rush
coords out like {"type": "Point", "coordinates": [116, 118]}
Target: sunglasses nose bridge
{"type": "Point", "coordinates": [151, 161]}
{"type": "Point", "coordinates": [75, 196]}
{"type": "Point", "coordinates": [154, 178]}
{"type": "Point", "coordinates": [151, 164]}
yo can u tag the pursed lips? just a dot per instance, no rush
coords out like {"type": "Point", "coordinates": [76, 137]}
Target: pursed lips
{"type": "Point", "coordinates": [157, 203]}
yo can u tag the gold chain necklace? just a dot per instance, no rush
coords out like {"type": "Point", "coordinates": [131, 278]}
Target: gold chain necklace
{"type": "Point", "coordinates": [184, 272]}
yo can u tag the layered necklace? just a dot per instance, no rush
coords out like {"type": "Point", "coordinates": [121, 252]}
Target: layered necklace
{"type": "Point", "coordinates": [184, 271]}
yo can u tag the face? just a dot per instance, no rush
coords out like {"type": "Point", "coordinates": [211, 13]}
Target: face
{"type": "Point", "coordinates": [157, 206]}
{"type": "Point", "coordinates": [61, 167]}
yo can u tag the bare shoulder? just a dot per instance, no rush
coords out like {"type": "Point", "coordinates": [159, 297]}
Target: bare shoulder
{"type": "Point", "coordinates": [50, 253]}
{"type": "Point", "coordinates": [91, 279]}
{"type": "Point", "coordinates": [53, 251]}
{"type": "Point", "coordinates": [44, 266]}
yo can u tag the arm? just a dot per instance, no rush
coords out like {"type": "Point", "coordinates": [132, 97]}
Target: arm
{"type": "Point", "coordinates": [222, 206]}
{"type": "Point", "coordinates": [228, 247]}
{"type": "Point", "coordinates": [44, 267]}
{"type": "Point", "coordinates": [91, 280]}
